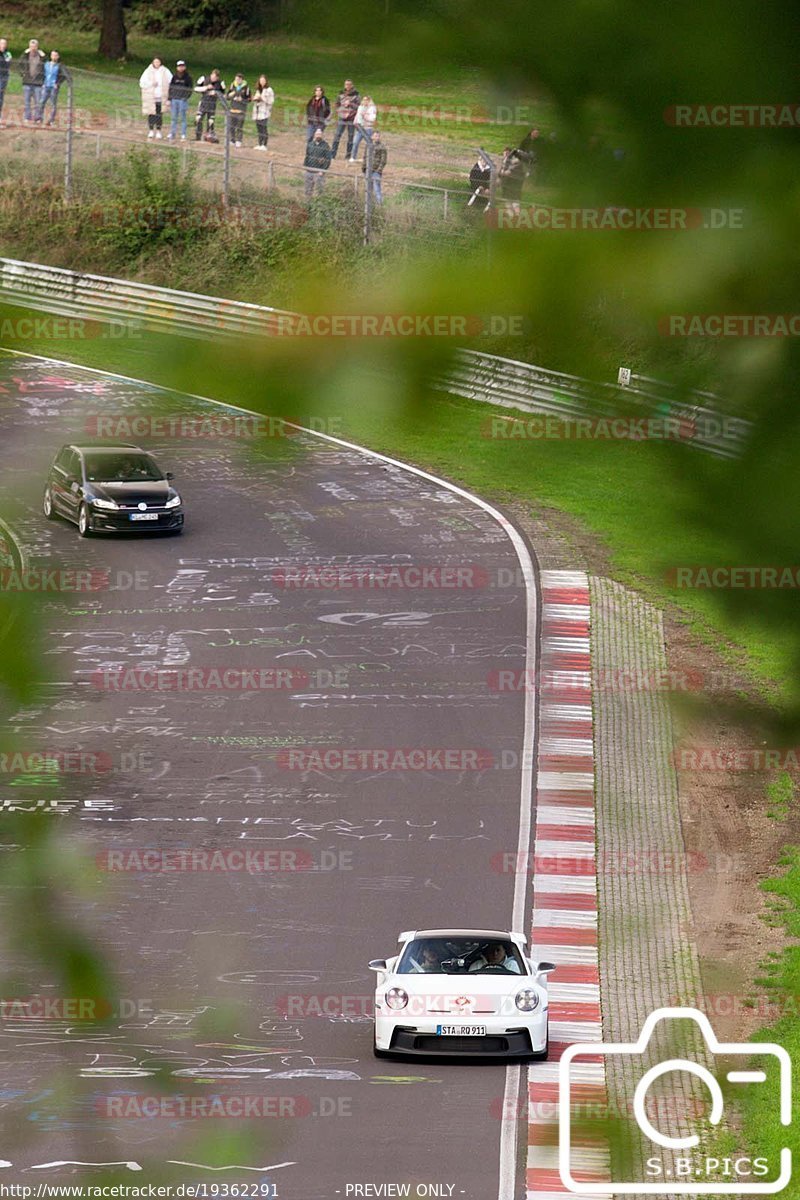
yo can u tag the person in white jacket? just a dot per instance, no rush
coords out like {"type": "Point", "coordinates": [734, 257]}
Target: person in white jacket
{"type": "Point", "coordinates": [154, 83]}
{"type": "Point", "coordinates": [366, 115]}
{"type": "Point", "coordinates": [263, 100]}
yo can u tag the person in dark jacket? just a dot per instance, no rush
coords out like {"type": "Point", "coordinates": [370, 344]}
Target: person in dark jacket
{"type": "Point", "coordinates": [480, 180]}
{"type": "Point", "coordinates": [379, 156]}
{"type": "Point", "coordinates": [317, 161]}
{"type": "Point", "coordinates": [347, 103]}
{"type": "Point", "coordinates": [512, 177]}
{"type": "Point", "coordinates": [180, 91]}
{"type": "Point", "coordinates": [31, 68]}
{"type": "Point", "coordinates": [5, 71]}
{"type": "Point", "coordinates": [318, 110]}
{"type": "Point", "coordinates": [239, 96]}
{"type": "Point", "coordinates": [210, 87]}
{"type": "Point", "coordinates": [53, 78]}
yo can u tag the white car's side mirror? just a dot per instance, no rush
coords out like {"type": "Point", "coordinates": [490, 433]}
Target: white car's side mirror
{"type": "Point", "coordinates": [545, 968]}
{"type": "Point", "coordinates": [377, 964]}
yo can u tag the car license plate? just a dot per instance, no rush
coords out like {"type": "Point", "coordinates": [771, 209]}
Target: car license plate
{"type": "Point", "coordinates": [144, 516]}
{"type": "Point", "coordinates": [461, 1030]}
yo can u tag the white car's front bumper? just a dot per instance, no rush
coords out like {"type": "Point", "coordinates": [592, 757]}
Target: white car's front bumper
{"type": "Point", "coordinates": [517, 1035]}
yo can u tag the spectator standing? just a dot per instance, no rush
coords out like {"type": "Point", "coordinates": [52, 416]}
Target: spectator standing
{"type": "Point", "coordinates": [512, 177]}
{"type": "Point", "coordinates": [180, 90]}
{"type": "Point", "coordinates": [53, 79]}
{"type": "Point", "coordinates": [380, 156]}
{"type": "Point", "coordinates": [318, 110]}
{"type": "Point", "coordinates": [5, 71]}
{"type": "Point", "coordinates": [317, 161]}
{"type": "Point", "coordinates": [347, 103]}
{"type": "Point", "coordinates": [31, 68]}
{"type": "Point", "coordinates": [239, 97]}
{"type": "Point", "coordinates": [480, 180]}
{"type": "Point", "coordinates": [154, 82]}
{"type": "Point", "coordinates": [263, 100]}
{"type": "Point", "coordinates": [211, 88]}
{"type": "Point", "coordinates": [366, 115]}
{"type": "Point", "coordinates": [530, 150]}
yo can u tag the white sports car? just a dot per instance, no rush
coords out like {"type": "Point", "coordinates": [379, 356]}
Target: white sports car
{"type": "Point", "coordinates": [462, 992]}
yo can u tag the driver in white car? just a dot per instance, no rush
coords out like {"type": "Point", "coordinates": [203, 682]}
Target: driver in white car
{"type": "Point", "coordinates": [495, 955]}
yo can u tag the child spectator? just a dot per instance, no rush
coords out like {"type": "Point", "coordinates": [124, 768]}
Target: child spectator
{"type": "Point", "coordinates": [317, 161]}
{"type": "Point", "coordinates": [31, 68]}
{"type": "Point", "coordinates": [318, 110]}
{"type": "Point", "coordinates": [154, 82]}
{"type": "Point", "coordinates": [346, 107]}
{"type": "Point", "coordinates": [211, 87]}
{"type": "Point", "coordinates": [263, 100]}
{"type": "Point", "coordinates": [180, 90]}
{"type": "Point", "coordinates": [238, 99]}
{"type": "Point", "coordinates": [366, 114]}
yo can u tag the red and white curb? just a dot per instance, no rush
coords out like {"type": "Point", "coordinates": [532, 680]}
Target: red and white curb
{"type": "Point", "coordinates": [565, 885]}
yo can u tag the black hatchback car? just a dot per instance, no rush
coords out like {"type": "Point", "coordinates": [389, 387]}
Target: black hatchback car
{"type": "Point", "coordinates": [112, 489]}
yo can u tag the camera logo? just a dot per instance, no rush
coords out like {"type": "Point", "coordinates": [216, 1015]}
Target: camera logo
{"type": "Point", "coordinates": [678, 1171]}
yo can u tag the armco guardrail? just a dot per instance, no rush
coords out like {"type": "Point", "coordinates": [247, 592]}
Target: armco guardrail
{"type": "Point", "coordinates": [485, 377]}
{"type": "Point", "coordinates": [510, 384]}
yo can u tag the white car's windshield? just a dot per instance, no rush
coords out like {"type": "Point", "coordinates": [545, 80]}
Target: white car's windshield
{"type": "Point", "coordinates": [461, 956]}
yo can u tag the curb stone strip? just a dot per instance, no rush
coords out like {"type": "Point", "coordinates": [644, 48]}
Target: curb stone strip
{"type": "Point", "coordinates": [565, 914]}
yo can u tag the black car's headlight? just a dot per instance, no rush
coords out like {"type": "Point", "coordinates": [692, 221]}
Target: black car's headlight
{"type": "Point", "coordinates": [173, 501]}
{"type": "Point", "coordinates": [527, 1000]}
{"type": "Point", "coordinates": [396, 998]}
{"type": "Point", "coordinates": [98, 503]}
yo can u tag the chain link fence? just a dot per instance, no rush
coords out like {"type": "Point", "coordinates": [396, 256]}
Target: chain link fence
{"type": "Point", "coordinates": [99, 119]}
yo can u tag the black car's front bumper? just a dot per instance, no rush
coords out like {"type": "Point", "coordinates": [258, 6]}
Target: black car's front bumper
{"type": "Point", "coordinates": [107, 521]}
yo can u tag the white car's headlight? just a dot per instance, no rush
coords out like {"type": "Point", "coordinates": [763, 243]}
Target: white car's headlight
{"type": "Point", "coordinates": [527, 1000]}
{"type": "Point", "coordinates": [173, 501]}
{"type": "Point", "coordinates": [98, 503]}
{"type": "Point", "coordinates": [396, 997]}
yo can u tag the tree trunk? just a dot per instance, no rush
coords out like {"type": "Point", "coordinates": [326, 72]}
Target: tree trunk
{"type": "Point", "coordinates": [113, 35]}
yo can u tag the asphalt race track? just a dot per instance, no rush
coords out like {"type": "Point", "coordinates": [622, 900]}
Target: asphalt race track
{"type": "Point", "coordinates": [252, 983]}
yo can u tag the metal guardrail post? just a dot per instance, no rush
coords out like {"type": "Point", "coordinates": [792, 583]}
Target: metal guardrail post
{"type": "Point", "coordinates": [368, 190]}
{"type": "Point", "coordinates": [70, 133]}
{"type": "Point", "coordinates": [226, 178]}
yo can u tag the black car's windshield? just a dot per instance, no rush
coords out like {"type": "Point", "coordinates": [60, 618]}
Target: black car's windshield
{"type": "Point", "coordinates": [461, 956]}
{"type": "Point", "coordinates": [122, 468]}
